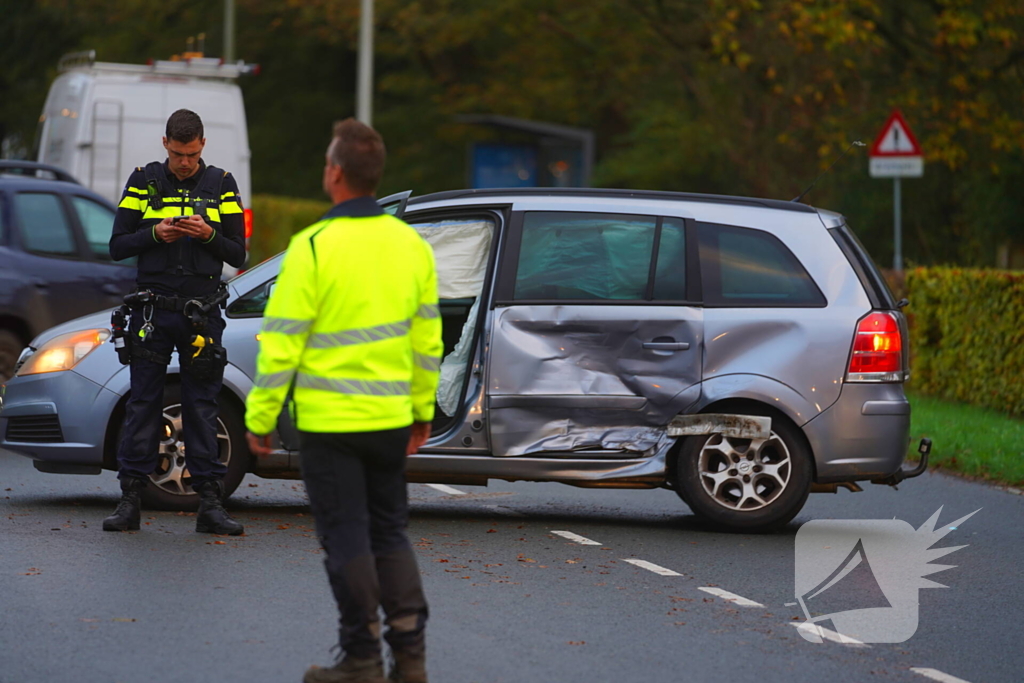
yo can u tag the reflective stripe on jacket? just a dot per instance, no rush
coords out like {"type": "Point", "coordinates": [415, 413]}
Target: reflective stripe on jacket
{"type": "Point", "coordinates": [353, 327]}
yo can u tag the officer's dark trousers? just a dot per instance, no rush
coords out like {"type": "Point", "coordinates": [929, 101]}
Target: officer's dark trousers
{"type": "Point", "coordinates": [144, 424]}
{"type": "Point", "coordinates": [357, 492]}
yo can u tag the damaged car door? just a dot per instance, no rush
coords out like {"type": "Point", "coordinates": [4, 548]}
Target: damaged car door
{"type": "Point", "coordinates": [596, 334]}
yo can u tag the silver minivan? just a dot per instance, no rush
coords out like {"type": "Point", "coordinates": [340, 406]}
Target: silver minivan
{"type": "Point", "coordinates": [742, 352]}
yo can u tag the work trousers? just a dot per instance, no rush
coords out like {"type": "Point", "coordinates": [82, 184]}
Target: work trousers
{"type": "Point", "coordinates": [357, 493]}
{"type": "Point", "coordinates": [144, 427]}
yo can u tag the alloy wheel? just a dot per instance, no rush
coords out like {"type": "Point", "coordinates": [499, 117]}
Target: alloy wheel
{"type": "Point", "coordinates": [744, 474]}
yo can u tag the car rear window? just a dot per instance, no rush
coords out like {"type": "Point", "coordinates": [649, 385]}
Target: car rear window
{"type": "Point", "coordinates": [42, 224]}
{"type": "Point", "coordinates": [567, 256]}
{"type": "Point", "coordinates": [743, 267]}
{"type": "Point", "coordinates": [97, 222]}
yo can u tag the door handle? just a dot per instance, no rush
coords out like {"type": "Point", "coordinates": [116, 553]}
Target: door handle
{"type": "Point", "coordinates": [41, 284]}
{"type": "Point", "coordinates": [111, 288]}
{"type": "Point", "coordinates": [667, 346]}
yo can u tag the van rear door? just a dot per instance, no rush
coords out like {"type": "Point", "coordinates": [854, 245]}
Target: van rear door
{"type": "Point", "coordinates": [597, 333]}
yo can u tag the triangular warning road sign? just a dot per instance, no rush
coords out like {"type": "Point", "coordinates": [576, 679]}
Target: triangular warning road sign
{"type": "Point", "coordinates": [896, 139]}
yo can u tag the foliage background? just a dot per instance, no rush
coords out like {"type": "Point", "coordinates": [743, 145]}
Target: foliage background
{"type": "Point", "coordinates": [728, 96]}
{"type": "Point", "coordinates": [962, 351]}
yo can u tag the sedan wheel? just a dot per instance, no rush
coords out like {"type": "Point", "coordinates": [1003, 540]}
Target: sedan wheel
{"type": "Point", "coordinates": [171, 474]}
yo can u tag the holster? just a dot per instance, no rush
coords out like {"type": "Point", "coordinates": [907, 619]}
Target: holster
{"type": "Point", "coordinates": [209, 364]}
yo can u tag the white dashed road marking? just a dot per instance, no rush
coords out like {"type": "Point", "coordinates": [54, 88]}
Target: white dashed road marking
{"type": "Point", "coordinates": [447, 489]}
{"type": "Point", "coordinates": [828, 634]}
{"type": "Point", "coordinates": [731, 597]}
{"type": "Point", "coordinates": [650, 566]}
{"type": "Point", "coordinates": [575, 538]}
{"type": "Point", "coordinates": [936, 675]}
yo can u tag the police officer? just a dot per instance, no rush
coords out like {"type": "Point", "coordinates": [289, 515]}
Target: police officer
{"type": "Point", "coordinates": [183, 220]}
{"type": "Point", "coordinates": [353, 329]}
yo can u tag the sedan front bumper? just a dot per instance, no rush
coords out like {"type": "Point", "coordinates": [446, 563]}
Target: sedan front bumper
{"type": "Point", "coordinates": [59, 419]}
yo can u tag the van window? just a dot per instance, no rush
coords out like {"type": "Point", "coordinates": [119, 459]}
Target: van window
{"type": "Point", "coordinates": [600, 257]}
{"type": "Point", "coordinates": [746, 267]}
{"type": "Point", "coordinates": [97, 222]}
{"type": "Point", "coordinates": [670, 274]}
{"type": "Point", "coordinates": [42, 224]}
{"type": "Point", "coordinates": [584, 256]}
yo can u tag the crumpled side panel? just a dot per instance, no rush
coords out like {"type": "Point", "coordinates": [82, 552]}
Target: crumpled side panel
{"type": "Point", "coordinates": [564, 378]}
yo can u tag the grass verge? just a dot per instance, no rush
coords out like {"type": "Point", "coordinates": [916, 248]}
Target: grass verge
{"type": "Point", "coordinates": [977, 442]}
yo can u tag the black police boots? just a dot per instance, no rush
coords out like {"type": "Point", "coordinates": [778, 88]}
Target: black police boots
{"type": "Point", "coordinates": [211, 517]}
{"type": "Point", "coordinates": [126, 516]}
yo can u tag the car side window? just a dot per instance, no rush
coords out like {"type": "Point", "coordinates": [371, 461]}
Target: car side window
{"type": "Point", "coordinates": [564, 256]}
{"type": "Point", "coordinates": [252, 303]}
{"type": "Point", "coordinates": [600, 257]}
{"type": "Point", "coordinates": [42, 224]}
{"type": "Point", "coordinates": [747, 267]}
{"type": "Point", "coordinates": [670, 273]}
{"type": "Point", "coordinates": [97, 222]}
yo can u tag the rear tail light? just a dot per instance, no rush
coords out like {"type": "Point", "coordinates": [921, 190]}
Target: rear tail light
{"type": "Point", "coordinates": [247, 217]}
{"type": "Point", "coordinates": [877, 350]}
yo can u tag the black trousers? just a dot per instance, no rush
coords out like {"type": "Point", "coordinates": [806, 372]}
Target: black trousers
{"type": "Point", "coordinates": [138, 453]}
{"type": "Point", "coordinates": [357, 492]}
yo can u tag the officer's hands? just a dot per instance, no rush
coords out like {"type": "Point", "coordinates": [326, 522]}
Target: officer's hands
{"type": "Point", "coordinates": [258, 445]}
{"type": "Point", "coordinates": [419, 433]}
{"type": "Point", "coordinates": [195, 226]}
{"type": "Point", "coordinates": [167, 231]}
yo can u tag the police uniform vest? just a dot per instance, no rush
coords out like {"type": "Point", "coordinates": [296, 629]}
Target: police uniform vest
{"type": "Point", "coordinates": [184, 256]}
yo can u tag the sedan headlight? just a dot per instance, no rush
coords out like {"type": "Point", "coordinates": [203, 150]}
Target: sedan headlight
{"type": "Point", "coordinates": [63, 352]}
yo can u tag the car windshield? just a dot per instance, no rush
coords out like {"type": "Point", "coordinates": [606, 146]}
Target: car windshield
{"type": "Point", "coordinates": [258, 273]}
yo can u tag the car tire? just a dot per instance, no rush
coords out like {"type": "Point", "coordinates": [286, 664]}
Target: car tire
{"type": "Point", "coordinates": [169, 487]}
{"type": "Point", "coordinates": [746, 485]}
{"type": "Point", "coordinates": [11, 347]}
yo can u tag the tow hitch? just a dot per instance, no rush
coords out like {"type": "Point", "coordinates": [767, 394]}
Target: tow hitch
{"type": "Point", "coordinates": [924, 448]}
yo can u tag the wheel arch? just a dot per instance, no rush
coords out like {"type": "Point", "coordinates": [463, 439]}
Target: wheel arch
{"type": "Point", "coordinates": [740, 406]}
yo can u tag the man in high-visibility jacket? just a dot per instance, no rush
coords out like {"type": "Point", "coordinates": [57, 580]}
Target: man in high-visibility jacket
{"type": "Point", "coordinates": [352, 328]}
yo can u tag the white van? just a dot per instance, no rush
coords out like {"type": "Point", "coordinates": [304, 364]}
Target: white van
{"type": "Point", "coordinates": [101, 120]}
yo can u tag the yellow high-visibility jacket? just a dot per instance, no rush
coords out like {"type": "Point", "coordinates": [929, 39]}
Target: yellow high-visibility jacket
{"type": "Point", "coordinates": [353, 325]}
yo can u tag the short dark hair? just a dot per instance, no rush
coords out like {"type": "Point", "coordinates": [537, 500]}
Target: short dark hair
{"type": "Point", "coordinates": [359, 150]}
{"type": "Point", "coordinates": [184, 126]}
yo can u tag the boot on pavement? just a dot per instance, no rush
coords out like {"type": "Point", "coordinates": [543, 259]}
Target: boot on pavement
{"type": "Point", "coordinates": [349, 670]}
{"type": "Point", "coordinates": [408, 666]}
{"type": "Point", "coordinates": [212, 518]}
{"type": "Point", "coordinates": [126, 516]}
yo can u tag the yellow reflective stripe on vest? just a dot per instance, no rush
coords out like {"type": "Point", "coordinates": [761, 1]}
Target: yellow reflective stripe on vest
{"type": "Point", "coordinates": [359, 335]}
{"type": "Point", "coordinates": [229, 207]}
{"type": "Point", "coordinates": [166, 212]}
{"type": "Point", "coordinates": [357, 387]}
{"type": "Point", "coordinates": [428, 363]}
{"type": "Point", "coordinates": [428, 311]}
{"type": "Point", "coordinates": [274, 379]}
{"type": "Point", "coordinates": [287, 326]}
{"type": "Point", "coordinates": [133, 203]}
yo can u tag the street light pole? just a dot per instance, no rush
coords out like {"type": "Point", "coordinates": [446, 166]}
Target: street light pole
{"type": "Point", "coordinates": [897, 202]}
{"type": "Point", "coordinates": [364, 82]}
{"type": "Point", "coordinates": [229, 31]}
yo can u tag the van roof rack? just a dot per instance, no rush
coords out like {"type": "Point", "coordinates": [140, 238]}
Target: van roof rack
{"type": "Point", "coordinates": [31, 169]}
{"type": "Point", "coordinates": [200, 67]}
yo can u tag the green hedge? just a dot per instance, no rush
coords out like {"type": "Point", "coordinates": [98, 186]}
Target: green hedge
{"type": "Point", "coordinates": [967, 336]}
{"type": "Point", "coordinates": [276, 219]}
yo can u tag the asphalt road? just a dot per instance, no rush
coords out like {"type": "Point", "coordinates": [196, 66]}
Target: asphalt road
{"type": "Point", "coordinates": [510, 600]}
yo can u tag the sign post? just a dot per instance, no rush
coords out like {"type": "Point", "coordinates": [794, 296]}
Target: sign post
{"type": "Point", "coordinates": [896, 155]}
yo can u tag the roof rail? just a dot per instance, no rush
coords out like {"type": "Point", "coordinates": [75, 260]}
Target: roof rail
{"type": "Point", "coordinates": [35, 167]}
{"type": "Point", "coordinates": [200, 67]}
{"type": "Point", "coordinates": [609, 192]}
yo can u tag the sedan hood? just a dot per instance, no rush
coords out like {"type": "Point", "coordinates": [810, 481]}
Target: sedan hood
{"type": "Point", "coordinates": [97, 320]}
